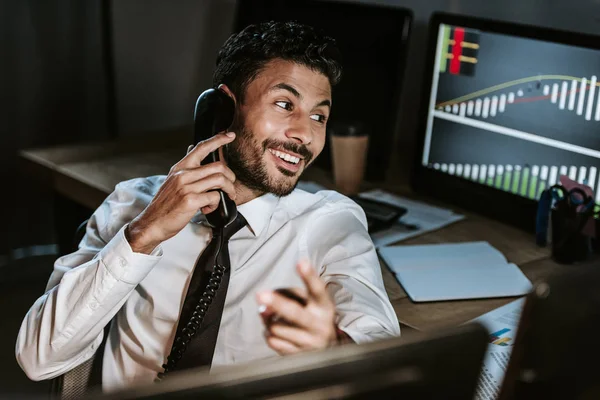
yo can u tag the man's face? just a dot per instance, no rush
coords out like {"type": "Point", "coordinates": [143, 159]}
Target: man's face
{"type": "Point", "coordinates": [280, 127]}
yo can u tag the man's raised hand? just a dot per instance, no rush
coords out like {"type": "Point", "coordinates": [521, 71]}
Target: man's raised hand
{"type": "Point", "coordinates": [292, 327]}
{"type": "Point", "coordinates": [188, 188]}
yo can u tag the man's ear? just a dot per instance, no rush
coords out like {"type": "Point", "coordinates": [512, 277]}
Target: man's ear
{"type": "Point", "coordinates": [228, 91]}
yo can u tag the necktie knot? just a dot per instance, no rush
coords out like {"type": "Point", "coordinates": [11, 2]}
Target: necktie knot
{"type": "Point", "coordinates": [238, 223]}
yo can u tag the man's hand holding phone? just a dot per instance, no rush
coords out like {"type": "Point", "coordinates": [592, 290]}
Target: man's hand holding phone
{"type": "Point", "coordinates": [188, 188]}
{"type": "Point", "coordinates": [300, 319]}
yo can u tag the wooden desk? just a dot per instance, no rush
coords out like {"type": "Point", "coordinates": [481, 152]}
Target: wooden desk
{"type": "Point", "coordinates": [86, 174]}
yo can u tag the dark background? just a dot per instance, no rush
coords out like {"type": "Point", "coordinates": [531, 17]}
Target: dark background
{"type": "Point", "coordinates": [54, 78]}
{"type": "Point", "coordinates": [372, 41]}
{"type": "Point", "coordinates": [54, 89]}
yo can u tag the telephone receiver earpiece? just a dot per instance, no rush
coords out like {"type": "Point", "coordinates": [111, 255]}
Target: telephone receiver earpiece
{"type": "Point", "coordinates": [214, 113]}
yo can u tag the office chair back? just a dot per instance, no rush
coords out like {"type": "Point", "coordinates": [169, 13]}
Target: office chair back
{"type": "Point", "coordinates": [77, 382]}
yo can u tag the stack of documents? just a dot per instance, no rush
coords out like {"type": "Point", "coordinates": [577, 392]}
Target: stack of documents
{"type": "Point", "coordinates": [419, 219]}
{"type": "Point", "coordinates": [454, 271]}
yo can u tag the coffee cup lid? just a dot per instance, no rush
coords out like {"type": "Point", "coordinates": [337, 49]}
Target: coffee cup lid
{"type": "Point", "coordinates": [348, 129]}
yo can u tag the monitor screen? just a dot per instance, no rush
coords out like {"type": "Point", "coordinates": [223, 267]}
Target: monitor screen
{"type": "Point", "coordinates": [372, 41]}
{"type": "Point", "coordinates": [510, 107]}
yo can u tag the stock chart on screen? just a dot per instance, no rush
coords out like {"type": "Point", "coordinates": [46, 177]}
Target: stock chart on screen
{"type": "Point", "coordinates": [512, 112]}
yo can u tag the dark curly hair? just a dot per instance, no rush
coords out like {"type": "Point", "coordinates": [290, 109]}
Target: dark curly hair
{"type": "Point", "coordinates": [245, 54]}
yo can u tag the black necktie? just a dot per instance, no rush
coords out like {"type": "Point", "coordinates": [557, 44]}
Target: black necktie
{"type": "Point", "coordinates": [200, 317]}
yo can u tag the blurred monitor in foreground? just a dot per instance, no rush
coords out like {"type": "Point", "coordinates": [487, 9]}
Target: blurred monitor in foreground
{"type": "Point", "coordinates": [556, 353]}
{"type": "Point", "coordinates": [441, 366]}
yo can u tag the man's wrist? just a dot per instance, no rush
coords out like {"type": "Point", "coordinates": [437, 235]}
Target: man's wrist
{"type": "Point", "coordinates": [138, 238]}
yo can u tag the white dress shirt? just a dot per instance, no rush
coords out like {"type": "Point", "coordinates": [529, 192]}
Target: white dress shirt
{"type": "Point", "coordinates": [144, 294]}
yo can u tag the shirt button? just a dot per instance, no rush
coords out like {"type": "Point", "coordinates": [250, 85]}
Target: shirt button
{"type": "Point", "coordinates": [122, 262]}
{"type": "Point", "coordinates": [93, 305]}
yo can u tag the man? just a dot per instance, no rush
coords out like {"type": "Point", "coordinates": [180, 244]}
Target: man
{"type": "Point", "coordinates": [134, 264]}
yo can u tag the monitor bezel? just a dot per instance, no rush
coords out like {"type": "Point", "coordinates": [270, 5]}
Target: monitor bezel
{"type": "Point", "coordinates": [510, 208]}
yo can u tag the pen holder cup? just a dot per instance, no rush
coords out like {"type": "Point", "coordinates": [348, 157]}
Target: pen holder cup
{"type": "Point", "coordinates": [569, 243]}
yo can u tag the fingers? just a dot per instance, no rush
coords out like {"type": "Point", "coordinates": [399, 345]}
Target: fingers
{"type": "Point", "coordinates": [202, 149]}
{"type": "Point", "coordinates": [209, 208]}
{"type": "Point", "coordinates": [266, 314]}
{"type": "Point", "coordinates": [315, 286]}
{"type": "Point", "coordinates": [297, 294]}
{"type": "Point", "coordinates": [212, 182]}
{"type": "Point", "coordinates": [209, 177]}
{"type": "Point", "coordinates": [200, 201]}
{"type": "Point", "coordinates": [192, 175]}
{"type": "Point", "coordinates": [287, 309]}
{"type": "Point", "coordinates": [281, 346]}
{"type": "Point", "coordinates": [300, 338]}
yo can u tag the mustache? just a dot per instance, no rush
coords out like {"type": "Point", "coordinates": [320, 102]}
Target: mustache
{"type": "Point", "coordinates": [289, 146]}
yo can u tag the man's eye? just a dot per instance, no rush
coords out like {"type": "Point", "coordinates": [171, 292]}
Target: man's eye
{"type": "Point", "coordinates": [286, 105]}
{"type": "Point", "coordinates": [319, 118]}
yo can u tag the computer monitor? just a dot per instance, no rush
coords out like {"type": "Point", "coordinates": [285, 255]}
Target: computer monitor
{"type": "Point", "coordinates": [506, 110]}
{"type": "Point", "coordinates": [444, 365]}
{"type": "Point", "coordinates": [555, 353]}
{"type": "Point", "coordinates": [372, 40]}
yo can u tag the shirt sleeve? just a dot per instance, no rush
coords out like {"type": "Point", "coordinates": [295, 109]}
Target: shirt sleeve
{"type": "Point", "coordinates": [339, 243]}
{"type": "Point", "coordinates": [65, 326]}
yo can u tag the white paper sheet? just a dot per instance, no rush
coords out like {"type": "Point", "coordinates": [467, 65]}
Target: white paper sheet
{"type": "Point", "coordinates": [453, 255]}
{"type": "Point", "coordinates": [456, 271]}
{"type": "Point", "coordinates": [502, 324]}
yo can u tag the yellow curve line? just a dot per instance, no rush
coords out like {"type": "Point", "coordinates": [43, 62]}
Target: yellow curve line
{"type": "Point", "coordinates": [508, 84]}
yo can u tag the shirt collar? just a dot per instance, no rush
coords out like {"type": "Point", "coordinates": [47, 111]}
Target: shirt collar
{"type": "Point", "coordinates": [258, 211]}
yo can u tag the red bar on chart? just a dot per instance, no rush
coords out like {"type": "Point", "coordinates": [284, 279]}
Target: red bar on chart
{"type": "Point", "coordinates": [459, 37]}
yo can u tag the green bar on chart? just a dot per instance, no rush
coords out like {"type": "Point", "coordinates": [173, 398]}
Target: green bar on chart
{"type": "Point", "coordinates": [507, 175]}
{"type": "Point", "coordinates": [498, 183]}
{"type": "Point", "coordinates": [516, 180]}
{"type": "Point", "coordinates": [532, 186]}
{"type": "Point", "coordinates": [541, 189]}
{"type": "Point", "coordinates": [524, 181]}
{"type": "Point", "coordinates": [444, 50]}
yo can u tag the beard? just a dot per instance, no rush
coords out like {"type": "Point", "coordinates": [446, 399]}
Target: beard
{"type": "Point", "coordinates": [245, 157]}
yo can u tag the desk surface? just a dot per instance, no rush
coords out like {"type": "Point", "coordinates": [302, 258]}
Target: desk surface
{"type": "Point", "coordinates": [88, 173]}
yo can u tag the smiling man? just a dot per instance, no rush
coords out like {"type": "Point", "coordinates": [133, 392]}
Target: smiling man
{"type": "Point", "coordinates": [135, 263]}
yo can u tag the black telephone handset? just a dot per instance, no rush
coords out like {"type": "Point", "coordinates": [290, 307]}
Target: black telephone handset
{"type": "Point", "coordinates": [214, 113]}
